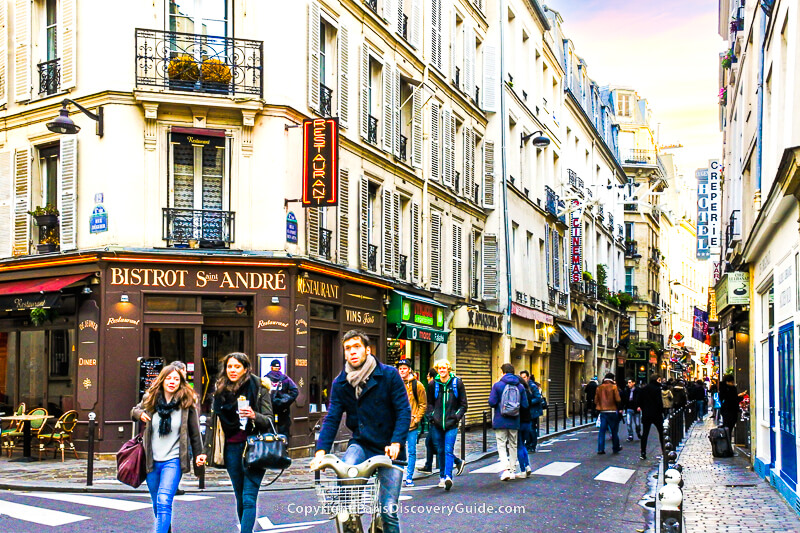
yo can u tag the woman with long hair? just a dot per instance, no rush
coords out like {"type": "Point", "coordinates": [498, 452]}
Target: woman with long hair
{"type": "Point", "coordinates": [242, 407]}
{"type": "Point", "coordinates": [171, 426]}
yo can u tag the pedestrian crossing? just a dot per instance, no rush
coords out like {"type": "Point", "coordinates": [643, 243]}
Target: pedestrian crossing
{"type": "Point", "coordinates": [611, 474]}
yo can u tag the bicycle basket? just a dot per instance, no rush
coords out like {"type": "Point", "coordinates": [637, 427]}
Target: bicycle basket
{"type": "Point", "coordinates": [335, 498]}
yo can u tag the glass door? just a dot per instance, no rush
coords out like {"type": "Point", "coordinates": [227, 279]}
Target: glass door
{"type": "Point", "coordinates": [786, 411]}
{"type": "Point", "coordinates": [216, 344]}
{"type": "Point", "coordinates": [174, 344]}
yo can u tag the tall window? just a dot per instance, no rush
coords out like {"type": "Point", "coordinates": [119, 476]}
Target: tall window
{"type": "Point", "coordinates": [628, 279]}
{"type": "Point", "coordinates": [48, 168]}
{"type": "Point", "coordinates": [204, 17]}
{"type": "Point", "coordinates": [623, 105]}
{"type": "Point", "coordinates": [51, 28]}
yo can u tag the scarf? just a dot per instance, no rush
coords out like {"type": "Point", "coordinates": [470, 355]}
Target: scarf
{"type": "Point", "coordinates": [226, 405]}
{"type": "Point", "coordinates": [164, 411]}
{"type": "Point", "coordinates": [358, 377]}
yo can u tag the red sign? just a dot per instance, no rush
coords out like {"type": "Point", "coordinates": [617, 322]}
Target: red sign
{"type": "Point", "coordinates": [576, 234]}
{"type": "Point", "coordinates": [678, 337]}
{"type": "Point", "coordinates": [320, 162]}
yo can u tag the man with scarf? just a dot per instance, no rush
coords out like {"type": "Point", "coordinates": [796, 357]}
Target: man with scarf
{"type": "Point", "coordinates": [284, 393]}
{"type": "Point", "coordinates": [374, 398]}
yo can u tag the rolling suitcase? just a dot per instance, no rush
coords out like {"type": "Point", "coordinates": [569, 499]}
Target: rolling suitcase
{"type": "Point", "coordinates": [720, 442]}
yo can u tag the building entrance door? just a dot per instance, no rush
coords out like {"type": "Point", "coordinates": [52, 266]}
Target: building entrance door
{"type": "Point", "coordinates": [174, 344]}
{"type": "Point", "coordinates": [786, 413]}
{"type": "Point", "coordinates": [771, 380]}
{"type": "Point", "coordinates": [216, 344]}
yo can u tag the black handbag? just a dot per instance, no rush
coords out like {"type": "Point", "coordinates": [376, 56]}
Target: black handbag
{"type": "Point", "coordinates": [266, 451]}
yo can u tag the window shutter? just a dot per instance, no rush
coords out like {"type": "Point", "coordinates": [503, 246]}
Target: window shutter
{"type": "Point", "coordinates": [67, 50]}
{"type": "Point", "coordinates": [4, 65]}
{"type": "Point", "coordinates": [416, 23]}
{"type": "Point", "coordinates": [6, 209]}
{"type": "Point", "coordinates": [435, 169]}
{"type": "Point", "coordinates": [469, 61]}
{"type": "Point", "coordinates": [363, 221]}
{"type": "Point", "coordinates": [22, 52]}
{"type": "Point", "coordinates": [389, 11]}
{"type": "Point", "coordinates": [447, 120]}
{"type": "Point", "coordinates": [312, 231]}
{"type": "Point", "coordinates": [344, 217]}
{"type": "Point", "coordinates": [457, 259]}
{"type": "Point", "coordinates": [436, 250]}
{"type": "Point", "coordinates": [400, 14]}
{"type": "Point", "coordinates": [396, 233]}
{"type": "Point", "coordinates": [344, 77]}
{"type": "Point", "coordinates": [415, 244]}
{"type": "Point", "coordinates": [396, 110]}
{"type": "Point", "coordinates": [436, 34]}
{"type": "Point", "coordinates": [453, 42]}
{"type": "Point", "coordinates": [387, 246]}
{"type": "Point", "coordinates": [474, 257]}
{"type": "Point", "coordinates": [68, 155]}
{"type": "Point", "coordinates": [22, 202]}
{"type": "Point", "coordinates": [469, 164]}
{"type": "Point", "coordinates": [416, 128]}
{"type": "Point", "coordinates": [313, 55]}
{"type": "Point", "coordinates": [556, 267]}
{"type": "Point", "coordinates": [547, 255]}
{"type": "Point", "coordinates": [364, 90]}
{"type": "Point", "coordinates": [489, 78]}
{"type": "Point", "coordinates": [489, 266]}
{"type": "Point", "coordinates": [488, 174]}
{"type": "Point", "coordinates": [388, 99]}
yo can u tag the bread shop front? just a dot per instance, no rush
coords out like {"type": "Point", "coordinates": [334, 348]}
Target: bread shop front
{"type": "Point", "coordinates": [416, 330]}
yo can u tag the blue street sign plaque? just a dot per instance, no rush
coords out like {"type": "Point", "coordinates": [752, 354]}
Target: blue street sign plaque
{"type": "Point", "coordinates": [99, 220]}
{"type": "Point", "coordinates": [291, 228]}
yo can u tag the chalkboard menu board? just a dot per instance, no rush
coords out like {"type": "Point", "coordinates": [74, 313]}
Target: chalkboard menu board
{"type": "Point", "coordinates": [149, 369]}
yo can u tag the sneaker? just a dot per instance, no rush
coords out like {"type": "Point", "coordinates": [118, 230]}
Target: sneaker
{"type": "Point", "coordinates": [630, 439]}
{"type": "Point", "coordinates": [601, 452]}
{"type": "Point", "coordinates": [643, 456]}
{"type": "Point", "coordinates": [527, 471]}
{"type": "Point", "coordinates": [521, 475]}
{"type": "Point", "coordinates": [441, 483]}
{"type": "Point", "coordinates": [448, 483]}
{"type": "Point", "coordinates": [409, 483]}
{"type": "Point", "coordinates": [460, 468]}
{"type": "Point", "coordinates": [425, 469]}
{"type": "Point", "coordinates": [506, 475]}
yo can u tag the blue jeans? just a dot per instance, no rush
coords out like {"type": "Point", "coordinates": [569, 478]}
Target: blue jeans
{"type": "Point", "coordinates": [411, 447]}
{"type": "Point", "coordinates": [524, 436]}
{"type": "Point", "coordinates": [389, 495]}
{"type": "Point", "coordinates": [245, 482]}
{"type": "Point", "coordinates": [633, 419]}
{"type": "Point", "coordinates": [702, 406]}
{"type": "Point", "coordinates": [534, 433]}
{"type": "Point", "coordinates": [608, 421]}
{"type": "Point", "coordinates": [445, 444]}
{"type": "Point", "coordinates": [162, 483]}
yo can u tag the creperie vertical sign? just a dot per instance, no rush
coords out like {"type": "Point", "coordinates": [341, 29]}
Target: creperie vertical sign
{"type": "Point", "coordinates": [576, 233]}
{"type": "Point", "coordinates": [320, 162]}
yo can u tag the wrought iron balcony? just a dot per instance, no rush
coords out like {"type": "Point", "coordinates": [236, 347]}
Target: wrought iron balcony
{"type": "Point", "coordinates": [562, 206]}
{"type": "Point", "coordinates": [632, 249]}
{"type": "Point", "coordinates": [403, 148]}
{"type": "Point", "coordinates": [457, 181]}
{"type": "Point", "coordinates": [476, 191]}
{"type": "Point", "coordinates": [373, 4]}
{"type": "Point", "coordinates": [631, 207]}
{"type": "Point", "coordinates": [552, 294]}
{"type": "Point", "coordinates": [645, 158]}
{"type": "Point", "coordinates": [550, 200]}
{"type": "Point", "coordinates": [49, 76]}
{"type": "Point", "coordinates": [477, 95]}
{"type": "Point", "coordinates": [325, 238]}
{"type": "Point", "coordinates": [372, 130]}
{"type": "Point", "coordinates": [611, 222]}
{"type": "Point", "coordinates": [209, 228]}
{"type": "Point", "coordinates": [403, 274]}
{"type": "Point", "coordinates": [563, 298]}
{"type": "Point", "coordinates": [652, 336]}
{"type": "Point", "coordinates": [655, 297]}
{"type": "Point", "coordinates": [325, 100]}
{"type": "Point", "coordinates": [372, 258]}
{"type": "Point", "coordinates": [405, 26]}
{"type": "Point", "coordinates": [199, 63]}
{"type": "Point", "coordinates": [633, 291]}
{"type": "Point", "coordinates": [600, 213]}
{"type": "Point", "coordinates": [655, 255]}
{"type": "Point", "coordinates": [574, 180]}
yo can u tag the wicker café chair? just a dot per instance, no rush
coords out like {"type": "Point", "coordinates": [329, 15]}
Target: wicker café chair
{"type": "Point", "coordinates": [61, 435]}
{"type": "Point", "coordinates": [12, 431]}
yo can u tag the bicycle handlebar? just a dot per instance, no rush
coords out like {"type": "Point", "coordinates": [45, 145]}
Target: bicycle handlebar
{"type": "Point", "coordinates": [360, 470]}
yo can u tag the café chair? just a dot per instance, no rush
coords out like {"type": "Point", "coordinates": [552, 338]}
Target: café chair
{"type": "Point", "coordinates": [36, 425]}
{"type": "Point", "coordinates": [12, 431]}
{"type": "Point", "coordinates": [61, 435]}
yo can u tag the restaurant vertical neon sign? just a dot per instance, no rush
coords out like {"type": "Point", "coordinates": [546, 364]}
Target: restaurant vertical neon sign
{"type": "Point", "coordinates": [320, 162]}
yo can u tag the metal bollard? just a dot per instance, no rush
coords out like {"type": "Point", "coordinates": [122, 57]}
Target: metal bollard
{"type": "Point", "coordinates": [580, 406]}
{"type": "Point", "coordinates": [547, 421]}
{"type": "Point", "coordinates": [556, 417]}
{"type": "Point", "coordinates": [573, 414]}
{"type": "Point", "coordinates": [90, 451]}
{"type": "Point", "coordinates": [463, 438]}
{"type": "Point", "coordinates": [565, 416]}
{"type": "Point", "coordinates": [485, 418]}
{"type": "Point", "coordinates": [201, 471]}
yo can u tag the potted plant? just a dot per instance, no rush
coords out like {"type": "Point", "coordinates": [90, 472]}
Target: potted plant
{"type": "Point", "coordinates": [625, 300]}
{"type": "Point", "coordinates": [183, 72]}
{"type": "Point", "coordinates": [587, 276]}
{"type": "Point", "coordinates": [727, 59]}
{"type": "Point", "coordinates": [38, 316]}
{"type": "Point", "coordinates": [49, 240]}
{"type": "Point", "coordinates": [216, 76]}
{"type": "Point", "coordinates": [723, 96]}
{"type": "Point", "coordinates": [45, 216]}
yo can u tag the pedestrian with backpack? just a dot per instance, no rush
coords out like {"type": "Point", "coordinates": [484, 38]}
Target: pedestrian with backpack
{"type": "Point", "coordinates": [447, 404]}
{"type": "Point", "coordinates": [524, 433]}
{"type": "Point", "coordinates": [507, 398]}
{"type": "Point", "coordinates": [430, 445]}
{"type": "Point", "coordinates": [419, 402]}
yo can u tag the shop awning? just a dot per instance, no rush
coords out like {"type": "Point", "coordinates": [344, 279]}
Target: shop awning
{"type": "Point", "coordinates": [417, 298]}
{"type": "Point", "coordinates": [419, 333]}
{"type": "Point", "coordinates": [575, 337]}
{"type": "Point", "coordinates": [30, 293]}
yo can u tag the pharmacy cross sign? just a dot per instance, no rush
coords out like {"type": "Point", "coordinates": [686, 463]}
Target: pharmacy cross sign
{"type": "Point", "coordinates": [320, 162]}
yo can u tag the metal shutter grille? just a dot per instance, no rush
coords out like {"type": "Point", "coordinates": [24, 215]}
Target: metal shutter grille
{"type": "Point", "coordinates": [474, 368]}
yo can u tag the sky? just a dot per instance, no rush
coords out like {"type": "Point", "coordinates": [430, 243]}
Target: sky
{"type": "Point", "coordinates": [668, 52]}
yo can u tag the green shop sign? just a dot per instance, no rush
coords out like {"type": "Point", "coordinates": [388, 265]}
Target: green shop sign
{"type": "Point", "coordinates": [417, 310]}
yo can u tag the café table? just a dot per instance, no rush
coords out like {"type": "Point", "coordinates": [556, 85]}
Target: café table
{"type": "Point", "coordinates": [26, 434]}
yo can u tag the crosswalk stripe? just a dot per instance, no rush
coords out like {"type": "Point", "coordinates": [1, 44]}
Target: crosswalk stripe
{"type": "Point", "coordinates": [181, 498]}
{"type": "Point", "coordinates": [557, 468]}
{"type": "Point", "coordinates": [38, 515]}
{"type": "Point", "coordinates": [615, 475]}
{"type": "Point", "coordinates": [92, 501]}
{"type": "Point", "coordinates": [494, 468]}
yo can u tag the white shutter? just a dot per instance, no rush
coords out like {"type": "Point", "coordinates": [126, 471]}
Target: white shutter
{"type": "Point", "coordinates": [416, 23]}
{"type": "Point", "coordinates": [457, 259]}
{"type": "Point", "coordinates": [22, 50]}
{"type": "Point", "coordinates": [416, 128]}
{"type": "Point", "coordinates": [3, 63]}
{"type": "Point", "coordinates": [452, 46]}
{"type": "Point", "coordinates": [400, 15]}
{"type": "Point", "coordinates": [396, 112]}
{"type": "Point", "coordinates": [449, 145]}
{"type": "Point", "coordinates": [344, 77]}
{"type": "Point", "coordinates": [490, 79]}
{"type": "Point", "coordinates": [415, 244]}
{"type": "Point", "coordinates": [469, 164]}
{"type": "Point", "coordinates": [436, 34]}
{"type": "Point", "coordinates": [436, 250]}
{"type": "Point", "coordinates": [488, 175]}
{"type": "Point", "coordinates": [68, 155]}
{"type": "Point", "coordinates": [396, 233]}
{"type": "Point", "coordinates": [387, 248]}
{"type": "Point", "coordinates": [435, 127]}
{"type": "Point", "coordinates": [364, 90]}
{"type": "Point", "coordinates": [66, 47]}
{"type": "Point", "coordinates": [343, 226]}
{"type": "Point", "coordinates": [313, 55]}
{"type": "Point", "coordinates": [475, 264]}
{"type": "Point", "coordinates": [388, 99]}
{"type": "Point", "coordinates": [22, 203]}
{"type": "Point", "coordinates": [547, 254]}
{"type": "Point", "coordinates": [390, 11]}
{"type": "Point", "coordinates": [6, 209]}
{"type": "Point", "coordinates": [363, 221]}
{"type": "Point", "coordinates": [312, 231]}
{"type": "Point", "coordinates": [490, 266]}
{"type": "Point", "coordinates": [469, 61]}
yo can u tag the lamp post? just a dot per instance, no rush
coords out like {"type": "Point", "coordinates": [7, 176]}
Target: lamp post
{"type": "Point", "coordinates": [64, 125]}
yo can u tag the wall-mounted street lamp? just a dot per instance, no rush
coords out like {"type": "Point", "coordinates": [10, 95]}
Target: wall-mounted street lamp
{"type": "Point", "coordinates": [539, 139]}
{"type": "Point", "coordinates": [63, 124]}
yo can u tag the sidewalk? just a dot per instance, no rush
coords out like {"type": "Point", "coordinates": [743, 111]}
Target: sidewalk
{"type": "Point", "coordinates": [53, 475]}
{"type": "Point", "coordinates": [724, 495]}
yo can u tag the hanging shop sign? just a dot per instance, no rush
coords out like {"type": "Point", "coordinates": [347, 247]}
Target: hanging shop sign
{"type": "Point", "coordinates": [576, 236]}
{"type": "Point", "coordinates": [418, 333]}
{"type": "Point", "coordinates": [320, 162]}
{"type": "Point", "coordinates": [700, 324]}
{"type": "Point", "coordinates": [709, 204]}
{"type": "Point", "coordinates": [733, 289]}
{"type": "Point", "coordinates": [466, 318]}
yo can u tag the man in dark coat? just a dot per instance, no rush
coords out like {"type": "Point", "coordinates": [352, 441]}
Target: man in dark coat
{"type": "Point", "coordinates": [284, 393]}
{"type": "Point", "coordinates": [652, 409]}
{"type": "Point", "coordinates": [588, 392]}
{"type": "Point", "coordinates": [630, 403]}
{"type": "Point", "coordinates": [374, 398]}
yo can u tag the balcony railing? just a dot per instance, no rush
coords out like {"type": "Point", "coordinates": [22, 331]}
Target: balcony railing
{"type": "Point", "coordinates": [209, 228]}
{"type": "Point", "coordinates": [611, 222]}
{"type": "Point", "coordinates": [49, 76]}
{"type": "Point", "coordinates": [600, 213]}
{"type": "Point", "coordinates": [477, 95]}
{"type": "Point", "coordinates": [476, 285]}
{"type": "Point", "coordinates": [563, 298]}
{"type": "Point", "coordinates": [632, 249]}
{"type": "Point", "coordinates": [325, 100]}
{"type": "Point", "coordinates": [552, 294]}
{"type": "Point", "coordinates": [457, 77]}
{"type": "Point", "coordinates": [403, 274]}
{"type": "Point", "coordinates": [733, 232]}
{"type": "Point", "coordinates": [633, 291]}
{"type": "Point", "coordinates": [372, 131]}
{"type": "Point", "coordinates": [655, 255]}
{"type": "Point", "coordinates": [199, 63]}
{"type": "Point", "coordinates": [457, 181]}
{"type": "Point", "coordinates": [562, 206]}
{"type": "Point", "coordinates": [551, 201]}
{"type": "Point", "coordinates": [373, 4]}
{"type": "Point", "coordinates": [643, 157]}
{"type": "Point", "coordinates": [403, 148]}
{"type": "Point", "coordinates": [574, 180]}
{"type": "Point", "coordinates": [655, 297]}
{"type": "Point", "coordinates": [372, 258]}
{"type": "Point", "coordinates": [325, 238]}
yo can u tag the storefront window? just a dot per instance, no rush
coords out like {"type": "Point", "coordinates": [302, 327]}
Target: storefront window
{"type": "Point", "coordinates": [227, 307]}
{"type": "Point", "coordinates": [8, 370]}
{"type": "Point", "coordinates": [322, 367]}
{"type": "Point", "coordinates": [323, 311]}
{"type": "Point", "coordinates": [164, 304]}
{"type": "Point", "coordinates": [33, 374]}
{"type": "Point", "coordinates": [172, 344]}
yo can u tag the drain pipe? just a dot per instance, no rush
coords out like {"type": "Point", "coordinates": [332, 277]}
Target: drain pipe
{"type": "Point", "coordinates": [766, 7]}
{"type": "Point", "coordinates": [503, 168]}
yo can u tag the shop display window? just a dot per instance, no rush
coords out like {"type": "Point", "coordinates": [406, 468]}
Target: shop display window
{"type": "Point", "coordinates": [170, 304]}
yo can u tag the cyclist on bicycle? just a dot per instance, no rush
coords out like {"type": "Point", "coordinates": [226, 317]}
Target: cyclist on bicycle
{"type": "Point", "coordinates": [374, 398]}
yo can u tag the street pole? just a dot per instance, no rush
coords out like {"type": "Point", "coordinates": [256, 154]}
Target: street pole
{"type": "Point", "coordinates": [90, 451]}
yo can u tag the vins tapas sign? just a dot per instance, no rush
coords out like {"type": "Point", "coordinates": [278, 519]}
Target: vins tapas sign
{"type": "Point", "coordinates": [320, 162]}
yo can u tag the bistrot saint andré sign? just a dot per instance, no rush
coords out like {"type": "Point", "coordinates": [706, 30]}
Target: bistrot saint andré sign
{"type": "Point", "coordinates": [320, 162]}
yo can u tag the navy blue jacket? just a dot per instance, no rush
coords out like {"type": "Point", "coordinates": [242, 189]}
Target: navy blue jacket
{"type": "Point", "coordinates": [381, 416]}
{"type": "Point", "coordinates": [500, 421]}
{"type": "Point", "coordinates": [537, 402]}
